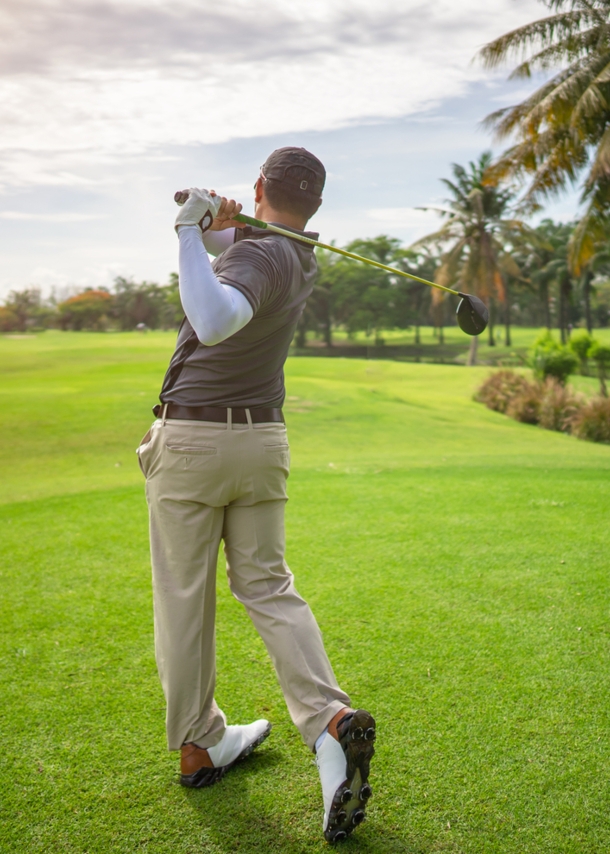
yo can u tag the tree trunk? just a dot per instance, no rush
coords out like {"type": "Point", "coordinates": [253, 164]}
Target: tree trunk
{"type": "Point", "coordinates": [472, 353]}
{"type": "Point", "coordinates": [507, 340]}
{"type": "Point", "coordinates": [441, 335]}
{"type": "Point", "coordinates": [545, 306]}
{"type": "Point", "coordinates": [586, 293]}
{"type": "Point", "coordinates": [602, 382]}
{"type": "Point", "coordinates": [492, 319]}
{"type": "Point", "coordinates": [328, 333]}
{"type": "Point", "coordinates": [301, 341]}
{"type": "Point", "coordinates": [562, 311]}
{"type": "Point", "coordinates": [417, 335]}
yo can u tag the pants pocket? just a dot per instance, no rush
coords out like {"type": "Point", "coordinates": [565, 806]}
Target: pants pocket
{"type": "Point", "coordinates": [140, 451]}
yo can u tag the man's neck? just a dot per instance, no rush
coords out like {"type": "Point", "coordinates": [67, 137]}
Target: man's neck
{"type": "Point", "coordinates": [265, 212]}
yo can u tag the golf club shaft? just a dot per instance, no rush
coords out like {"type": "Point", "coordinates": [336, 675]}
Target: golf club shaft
{"type": "Point", "coordinates": [257, 223]}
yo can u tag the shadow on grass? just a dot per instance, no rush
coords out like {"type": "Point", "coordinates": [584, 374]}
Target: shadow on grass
{"type": "Point", "coordinates": [234, 817]}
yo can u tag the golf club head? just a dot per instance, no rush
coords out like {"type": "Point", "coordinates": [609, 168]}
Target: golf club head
{"type": "Point", "coordinates": [472, 315]}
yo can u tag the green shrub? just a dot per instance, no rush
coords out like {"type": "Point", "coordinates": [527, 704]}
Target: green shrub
{"type": "Point", "coordinates": [550, 359]}
{"type": "Point", "coordinates": [592, 421]}
{"type": "Point", "coordinates": [580, 344]}
{"type": "Point", "coordinates": [500, 388]}
{"type": "Point", "coordinates": [600, 353]}
{"type": "Point", "coordinates": [558, 406]}
{"type": "Point", "coordinates": [525, 405]}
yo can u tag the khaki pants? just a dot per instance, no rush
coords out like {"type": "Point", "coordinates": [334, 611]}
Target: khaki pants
{"type": "Point", "coordinates": [207, 482]}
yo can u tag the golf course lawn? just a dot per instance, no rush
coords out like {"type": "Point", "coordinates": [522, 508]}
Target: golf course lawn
{"type": "Point", "coordinates": [457, 563]}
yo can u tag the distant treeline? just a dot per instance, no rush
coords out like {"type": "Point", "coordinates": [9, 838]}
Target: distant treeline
{"type": "Point", "coordinates": [535, 289]}
{"type": "Point", "coordinates": [128, 305]}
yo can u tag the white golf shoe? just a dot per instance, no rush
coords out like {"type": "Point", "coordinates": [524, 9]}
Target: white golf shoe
{"type": "Point", "coordinates": [202, 767]}
{"type": "Point", "coordinates": [343, 765]}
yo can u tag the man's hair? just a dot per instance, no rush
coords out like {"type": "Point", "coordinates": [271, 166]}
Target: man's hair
{"type": "Point", "coordinates": [289, 198]}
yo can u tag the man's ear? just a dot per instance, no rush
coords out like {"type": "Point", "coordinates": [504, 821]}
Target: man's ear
{"type": "Point", "coordinates": [258, 191]}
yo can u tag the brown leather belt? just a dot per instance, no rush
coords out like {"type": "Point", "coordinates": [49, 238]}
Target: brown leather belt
{"type": "Point", "coordinates": [218, 413]}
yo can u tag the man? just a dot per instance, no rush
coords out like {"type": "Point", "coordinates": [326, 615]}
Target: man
{"type": "Point", "coordinates": [216, 462]}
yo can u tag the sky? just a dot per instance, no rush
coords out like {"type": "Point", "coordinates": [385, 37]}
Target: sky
{"type": "Point", "coordinates": [109, 106]}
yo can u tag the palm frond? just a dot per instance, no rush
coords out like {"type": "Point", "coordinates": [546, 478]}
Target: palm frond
{"type": "Point", "coordinates": [570, 49]}
{"type": "Point", "coordinates": [589, 232]}
{"type": "Point", "coordinates": [542, 32]}
{"type": "Point", "coordinates": [600, 167]}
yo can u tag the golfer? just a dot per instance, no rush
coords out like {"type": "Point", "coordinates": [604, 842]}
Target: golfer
{"type": "Point", "coordinates": [216, 462]}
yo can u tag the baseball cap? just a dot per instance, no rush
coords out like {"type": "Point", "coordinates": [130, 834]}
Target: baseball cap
{"type": "Point", "coordinates": [296, 167]}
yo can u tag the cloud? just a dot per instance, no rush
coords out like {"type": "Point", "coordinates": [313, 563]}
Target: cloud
{"type": "Point", "coordinates": [49, 217]}
{"type": "Point", "coordinates": [41, 35]}
{"type": "Point", "coordinates": [95, 79]}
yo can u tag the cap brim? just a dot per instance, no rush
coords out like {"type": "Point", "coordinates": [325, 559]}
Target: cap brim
{"type": "Point", "coordinates": [472, 315]}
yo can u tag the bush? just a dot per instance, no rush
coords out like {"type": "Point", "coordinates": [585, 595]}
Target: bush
{"type": "Point", "coordinates": [600, 354]}
{"type": "Point", "coordinates": [550, 359]}
{"type": "Point", "coordinates": [558, 407]}
{"type": "Point", "coordinates": [500, 388]}
{"type": "Point", "coordinates": [526, 404]}
{"type": "Point", "coordinates": [580, 344]}
{"type": "Point", "coordinates": [549, 404]}
{"type": "Point", "coordinates": [592, 421]}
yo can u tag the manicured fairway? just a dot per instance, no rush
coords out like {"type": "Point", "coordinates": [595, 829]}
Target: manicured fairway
{"type": "Point", "coordinates": [457, 563]}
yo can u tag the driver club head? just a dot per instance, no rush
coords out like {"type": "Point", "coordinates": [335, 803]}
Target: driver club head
{"type": "Point", "coordinates": [472, 315]}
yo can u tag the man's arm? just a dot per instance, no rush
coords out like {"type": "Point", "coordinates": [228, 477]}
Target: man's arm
{"type": "Point", "coordinates": [214, 310]}
{"type": "Point", "coordinates": [216, 242]}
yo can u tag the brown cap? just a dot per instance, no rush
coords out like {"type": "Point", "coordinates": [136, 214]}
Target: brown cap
{"type": "Point", "coordinates": [296, 167]}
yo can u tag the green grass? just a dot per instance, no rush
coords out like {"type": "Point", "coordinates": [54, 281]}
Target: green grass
{"type": "Point", "coordinates": [456, 562]}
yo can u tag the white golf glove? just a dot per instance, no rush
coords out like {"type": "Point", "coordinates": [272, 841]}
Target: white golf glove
{"type": "Point", "coordinates": [200, 208]}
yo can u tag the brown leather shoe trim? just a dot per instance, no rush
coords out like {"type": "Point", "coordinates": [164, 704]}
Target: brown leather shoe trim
{"type": "Point", "coordinates": [332, 727]}
{"type": "Point", "coordinates": [192, 758]}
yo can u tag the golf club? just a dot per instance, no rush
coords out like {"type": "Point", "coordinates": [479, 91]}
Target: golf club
{"type": "Point", "coordinates": [472, 313]}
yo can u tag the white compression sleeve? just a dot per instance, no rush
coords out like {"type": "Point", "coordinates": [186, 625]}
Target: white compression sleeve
{"type": "Point", "coordinates": [216, 242]}
{"type": "Point", "coordinates": [215, 311]}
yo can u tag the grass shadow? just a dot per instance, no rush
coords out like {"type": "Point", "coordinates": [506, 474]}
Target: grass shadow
{"type": "Point", "coordinates": [239, 815]}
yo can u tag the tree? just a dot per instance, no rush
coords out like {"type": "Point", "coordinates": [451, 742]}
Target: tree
{"type": "Point", "coordinates": [9, 322]}
{"type": "Point", "coordinates": [22, 308]}
{"type": "Point", "coordinates": [360, 297]}
{"type": "Point", "coordinates": [416, 301]}
{"type": "Point", "coordinates": [87, 310]}
{"type": "Point", "coordinates": [145, 302]}
{"type": "Point", "coordinates": [543, 259]}
{"type": "Point", "coordinates": [173, 303]}
{"type": "Point", "coordinates": [563, 129]}
{"type": "Point", "coordinates": [476, 238]}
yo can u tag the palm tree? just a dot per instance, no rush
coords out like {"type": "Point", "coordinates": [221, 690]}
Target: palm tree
{"type": "Point", "coordinates": [563, 128]}
{"type": "Point", "coordinates": [476, 238]}
{"type": "Point", "coordinates": [543, 259]}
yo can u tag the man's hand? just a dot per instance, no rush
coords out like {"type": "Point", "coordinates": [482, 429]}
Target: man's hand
{"type": "Point", "coordinates": [227, 208]}
{"type": "Point", "coordinates": [197, 207]}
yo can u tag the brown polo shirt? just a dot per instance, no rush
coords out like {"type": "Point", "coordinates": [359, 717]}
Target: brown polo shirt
{"type": "Point", "coordinates": [276, 275]}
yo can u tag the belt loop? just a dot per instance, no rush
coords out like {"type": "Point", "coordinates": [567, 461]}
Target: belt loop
{"type": "Point", "coordinates": [229, 418]}
{"type": "Point", "coordinates": [248, 418]}
{"type": "Point", "coordinates": [164, 414]}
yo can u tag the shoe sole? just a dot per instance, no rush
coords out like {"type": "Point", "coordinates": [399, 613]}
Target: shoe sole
{"type": "Point", "coordinates": [209, 776]}
{"type": "Point", "coordinates": [356, 737]}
